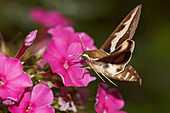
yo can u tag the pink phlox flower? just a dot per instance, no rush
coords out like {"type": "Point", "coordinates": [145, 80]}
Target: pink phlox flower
{"type": "Point", "coordinates": [69, 35]}
{"type": "Point", "coordinates": [48, 18]}
{"type": "Point", "coordinates": [13, 80]}
{"type": "Point", "coordinates": [108, 100]}
{"type": "Point", "coordinates": [58, 56]}
{"type": "Point", "coordinates": [66, 105]}
{"type": "Point", "coordinates": [36, 102]}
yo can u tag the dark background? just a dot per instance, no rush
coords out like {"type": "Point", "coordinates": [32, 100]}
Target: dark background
{"type": "Point", "coordinates": [99, 18]}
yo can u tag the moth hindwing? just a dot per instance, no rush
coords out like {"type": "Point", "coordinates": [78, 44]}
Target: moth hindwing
{"type": "Point", "coordinates": [111, 60]}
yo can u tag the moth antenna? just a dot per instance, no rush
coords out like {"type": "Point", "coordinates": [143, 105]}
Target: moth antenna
{"type": "Point", "coordinates": [75, 58]}
{"type": "Point", "coordinates": [82, 43]}
{"type": "Point", "coordinates": [83, 74]}
{"type": "Point", "coordinates": [74, 54]}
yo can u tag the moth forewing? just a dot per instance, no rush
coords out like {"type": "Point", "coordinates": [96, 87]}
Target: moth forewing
{"type": "Point", "coordinates": [124, 31]}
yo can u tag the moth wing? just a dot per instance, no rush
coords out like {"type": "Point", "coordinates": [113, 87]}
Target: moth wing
{"type": "Point", "coordinates": [124, 31]}
{"type": "Point", "coordinates": [108, 70]}
{"type": "Point", "coordinates": [128, 74]}
{"type": "Point", "coordinates": [121, 56]}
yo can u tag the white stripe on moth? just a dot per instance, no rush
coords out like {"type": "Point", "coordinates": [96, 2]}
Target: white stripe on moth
{"type": "Point", "coordinates": [127, 74]}
{"type": "Point", "coordinates": [119, 76]}
{"type": "Point", "coordinates": [130, 67]}
{"type": "Point", "coordinates": [121, 33]}
{"type": "Point", "coordinates": [131, 78]}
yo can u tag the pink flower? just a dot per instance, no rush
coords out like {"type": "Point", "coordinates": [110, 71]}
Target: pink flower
{"type": "Point", "coordinates": [57, 55]}
{"type": "Point", "coordinates": [13, 80]}
{"type": "Point", "coordinates": [108, 100]}
{"type": "Point", "coordinates": [68, 34]}
{"type": "Point", "coordinates": [38, 102]}
{"type": "Point", "coordinates": [48, 18]}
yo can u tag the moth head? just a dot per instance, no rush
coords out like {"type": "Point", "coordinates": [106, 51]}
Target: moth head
{"type": "Point", "coordinates": [84, 55]}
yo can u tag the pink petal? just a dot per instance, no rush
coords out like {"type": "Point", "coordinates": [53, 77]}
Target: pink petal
{"type": "Point", "coordinates": [100, 99]}
{"type": "Point", "coordinates": [108, 100]}
{"type": "Point", "coordinates": [87, 40]}
{"type": "Point", "coordinates": [66, 33]}
{"type": "Point", "coordinates": [92, 78]}
{"type": "Point", "coordinates": [15, 87]}
{"type": "Point", "coordinates": [56, 18]}
{"type": "Point", "coordinates": [41, 95]}
{"type": "Point", "coordinates": [12, 68]}
{"type": "Point", "coordinates": [61, 32]}
{"type": "Point", "coordinates": [38, 14]}
{"type": "Point", "coordinates": [54, 62]}
{"type": "Point", "coordinates": [44, 109]}
{"type": "Point", "coordinates": [2, 63]}
{"type": "Point", "coordinates": [57, 47]}
{"type": "Point", "coordinates": [76, 75]}
{"type": "Point", "coordinates": [48, 18]}
{"type": "Point", "coordinates": [114, 101]}
{"type": "Point", "coordinates": [74, 48]}
{"type": "Point", "coordinates": [21, 106]}
{"type": "Point", "coordinates": [65, 77]}
{"type": "Point", "coordinates": [23, 81]}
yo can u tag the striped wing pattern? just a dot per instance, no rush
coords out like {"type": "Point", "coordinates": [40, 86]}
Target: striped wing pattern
{"type": "Point", "coordinates": [129, 74]}
{"type": "Point", "coordinates": [124, 31]}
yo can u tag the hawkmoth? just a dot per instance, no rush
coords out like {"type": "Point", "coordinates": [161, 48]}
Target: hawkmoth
{"type": "Point", "coordinates": [111, 60]}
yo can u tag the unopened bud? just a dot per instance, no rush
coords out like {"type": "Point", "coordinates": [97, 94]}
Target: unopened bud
{"type": "Point", "coordinates": [27, 43]}
{"type": "Point", "coordinates": [30, 38]}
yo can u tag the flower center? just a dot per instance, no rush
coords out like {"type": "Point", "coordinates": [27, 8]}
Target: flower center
{"type": "Point", "coordinates": [1, 82]}
{"type": "Point", "coordinates": [65, 65]}
{"type": "Point", "coordinates": [28, 108]}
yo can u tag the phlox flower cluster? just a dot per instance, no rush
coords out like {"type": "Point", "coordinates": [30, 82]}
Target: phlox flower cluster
{"type": "Point", "coordinates": [37, 79]}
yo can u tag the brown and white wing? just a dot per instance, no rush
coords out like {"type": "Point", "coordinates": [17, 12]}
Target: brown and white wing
{"type": "Point", "coordinates": [124, 31]}
{"type": "Point", "coordinates": [128, 74]}
{"type": "Point", "coordinates": [117, 60]}
{"type": "Point", "coordinates": [109, 71]}
{"type": "Point", "coordinates": [121, 55]}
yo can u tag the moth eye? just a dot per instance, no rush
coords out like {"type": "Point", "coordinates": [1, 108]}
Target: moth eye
{"type": "Point", "coordinates": [84, 57]}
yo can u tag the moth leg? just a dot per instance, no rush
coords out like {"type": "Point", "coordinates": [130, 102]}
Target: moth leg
{"type": "Point", "coordinates": [82, 74]}
{"type": "Point", "coordinates": [87, 67]}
